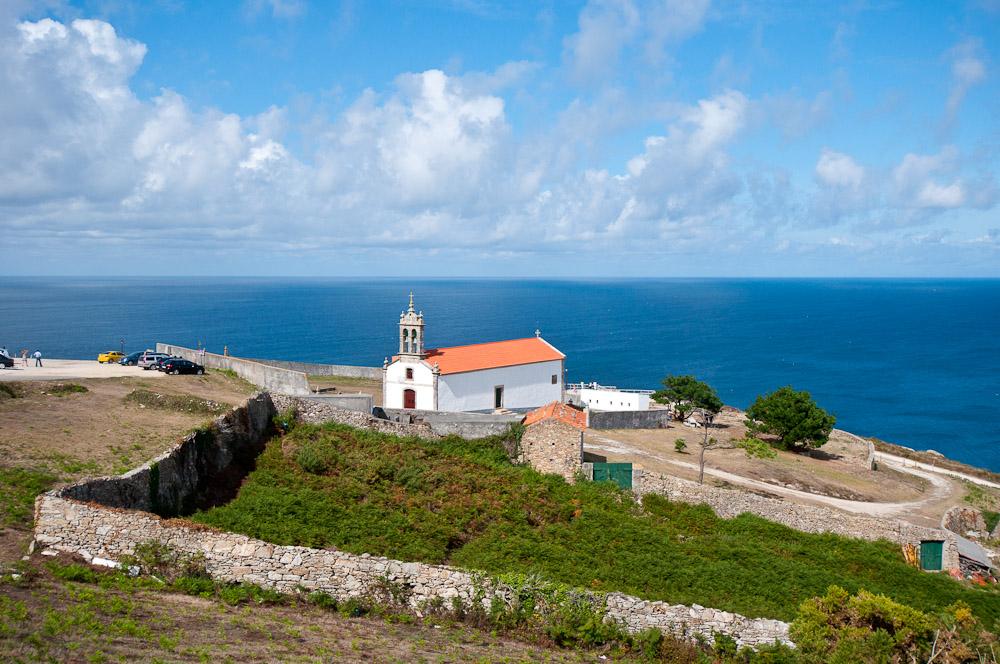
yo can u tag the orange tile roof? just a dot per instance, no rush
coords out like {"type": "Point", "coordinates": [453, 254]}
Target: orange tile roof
{"type": "Point", "coordinates": [458, 359]}
{"type": "Point", "coordinates": [557, 411]}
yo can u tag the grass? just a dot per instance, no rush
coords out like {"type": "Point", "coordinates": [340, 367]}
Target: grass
{"type": "Point", "coordinates": [462, 503]}
{"type": "Point", "coordinates": [18, 488]}
{"type": "Point", "coordinates": [184, 403]}
{"type": "Point", "coordinates": [8, 391]}
{"type": "Point", "coordinates": [65, 389]}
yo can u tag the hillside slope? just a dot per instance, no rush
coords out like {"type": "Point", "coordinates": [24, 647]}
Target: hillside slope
{"type": "Point", "coordinates": [462, 503]}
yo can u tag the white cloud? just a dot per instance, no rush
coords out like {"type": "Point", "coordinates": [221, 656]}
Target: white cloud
{"type": "Point", "coordinates": [967, 70]}
{"type": "Point", "coordinates": [837, 169]}
{"type": "Point", "coordinates": [932, 194]}
{"type": "Point", "coordinates": [606, 28]}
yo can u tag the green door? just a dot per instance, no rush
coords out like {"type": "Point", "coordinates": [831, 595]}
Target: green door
{"type": "Point", "coordinates": [930, 555]}
{"type": "Point", "coordinates": [619, 473]}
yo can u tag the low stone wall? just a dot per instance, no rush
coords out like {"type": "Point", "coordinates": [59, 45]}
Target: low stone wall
{"type": "Point", "coordinates": [109, 534]}
{"type": "Point", "coordinates": [204, 469]}
{"type": "Point", "coordinates": [348, 371]}
{"type": "Point", "coordinates": [729, 503]}
{"type": "Point", "coordinates": [273, 379]}
{"type": "Point", "coordinates": [628, 419]}
{"type": "Point", "coordinates": [362, 403]}
{"type": "Point", "coordinates": [316, 411]}
{"type": "Point", "coordinates": [466, 425]}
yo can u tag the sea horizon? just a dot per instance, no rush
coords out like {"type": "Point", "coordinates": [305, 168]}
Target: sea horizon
{"type": "Point", "coordinates": [908, 360]}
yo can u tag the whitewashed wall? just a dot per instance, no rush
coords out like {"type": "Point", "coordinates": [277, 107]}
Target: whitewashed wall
{"type": "Point", "coordinates": [395, 382]}
{"type": "Point", "coordinates": [525, 386]}
{"type": "Point", "coordinates": [614, 400]}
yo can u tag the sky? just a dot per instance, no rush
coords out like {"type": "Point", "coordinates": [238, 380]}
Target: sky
{"type": "Point", "coordinates": [632, 138]}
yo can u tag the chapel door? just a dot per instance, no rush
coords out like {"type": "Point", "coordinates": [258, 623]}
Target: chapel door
{"type": "Point", "coordinates": [409, 399]}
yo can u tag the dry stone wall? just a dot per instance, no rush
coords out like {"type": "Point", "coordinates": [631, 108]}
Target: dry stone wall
{"type": "Point", "coordinates": [729, 503]}
{"type": "Point", "coordinates": [108, 534]}
{"type": "Point", "coordinates": [205, 468]}
{"type": "Point", "coordinates": [317, 412]}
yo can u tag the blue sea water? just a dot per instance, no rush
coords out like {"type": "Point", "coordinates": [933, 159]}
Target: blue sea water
{"type": "Point", "coordinates": [915, 362]}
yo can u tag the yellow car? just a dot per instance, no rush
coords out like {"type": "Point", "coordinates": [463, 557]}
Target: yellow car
{"type": "Point", "coordinates": [109, 356]}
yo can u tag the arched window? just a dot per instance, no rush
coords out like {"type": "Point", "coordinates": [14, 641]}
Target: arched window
{"type": "Point", "coordinates": [406, 341]}
{"type": "Point", "coordinates": [416, 346]}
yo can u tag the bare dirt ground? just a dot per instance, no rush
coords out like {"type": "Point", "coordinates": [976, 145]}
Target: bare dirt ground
{"type": "Point", "coordinates": [346, 385]}
{"type": "Point", "coordinates": [46, 619]}
{"type": "Point", "coordinates": [97, 432]}
{"type": "Point", "coordinates": [837, 469]}
{"type": "Point", "coordinates": [836, 475]}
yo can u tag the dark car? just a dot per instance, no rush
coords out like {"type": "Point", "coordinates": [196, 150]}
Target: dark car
{"type": "Point", "coordinates": [175, 366]}
{"type": "Point", "coordinates": [6, 361]}
{"type": "Point", "coordinates": [131, 359]}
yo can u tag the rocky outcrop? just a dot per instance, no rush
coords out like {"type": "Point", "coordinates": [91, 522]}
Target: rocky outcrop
{"type": "Point", "coordinates": [966, 521]}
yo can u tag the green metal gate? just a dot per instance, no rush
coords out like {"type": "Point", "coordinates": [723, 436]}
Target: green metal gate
{"type": "Point", "coordinates": [619, 473]}
{"type": "Point", "coordinates": [931, 553]}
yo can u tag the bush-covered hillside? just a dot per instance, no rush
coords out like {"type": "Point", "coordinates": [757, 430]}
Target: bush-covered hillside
{"type": "Point", "coordinates": [463, 503]}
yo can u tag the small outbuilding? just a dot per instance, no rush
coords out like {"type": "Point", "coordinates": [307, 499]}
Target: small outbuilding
{"type": "Point", "coordinates": [553, 439]}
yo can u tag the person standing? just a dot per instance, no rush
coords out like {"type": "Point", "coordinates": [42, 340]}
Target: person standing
{"type": "Point", "coordinates": [24, 356]}
{"type": "Point", "coordinates": [38, 358]}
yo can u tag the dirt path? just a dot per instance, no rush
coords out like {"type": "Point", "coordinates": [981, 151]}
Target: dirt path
{"type": "Point", "coordinates": [942, 489]}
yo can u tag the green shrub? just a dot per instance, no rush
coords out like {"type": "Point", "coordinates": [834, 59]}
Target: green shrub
{"type": "Point", "coordinates": [184, 403]}
{"type": "Point", "coordinates": [18, 488]}
{"type": "Point", "coordinates": [463, 503]}
{"type": "Point", "coordinates": [755, 447]}
{"type": "Point", "coordinates": [64, 389]}
{"type": "Point", "coordinates": [8, 391]}
{"type": "Point", "coordinates": [680, 445]}
{"type": "Point", "coordinates": [72, 572]}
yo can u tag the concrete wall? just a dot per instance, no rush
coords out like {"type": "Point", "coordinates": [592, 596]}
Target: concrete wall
{"type": "Point", "coordinates": [728, 503]}
{"type": "Point", "coordinates": [611, 400]}
{"type": "Point", "coordinates": [348, 371]}
{"type": "Point", "coordinates": [271, 378]}
{"type": "Point", "coordinates": [525, 386]}
{"type": "Point", "coordinates": [632, 419]}
{"type": "Point", "coordinates": [202, 470]}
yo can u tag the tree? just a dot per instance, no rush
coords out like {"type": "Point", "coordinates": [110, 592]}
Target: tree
{"type": "Point", "coordinates": [686, 394]}
{"type": "Point", "coordinates": [792, 416]}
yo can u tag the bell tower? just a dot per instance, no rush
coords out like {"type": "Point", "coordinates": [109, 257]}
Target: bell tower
{"type": "Point", "coordinates": [411, 333]}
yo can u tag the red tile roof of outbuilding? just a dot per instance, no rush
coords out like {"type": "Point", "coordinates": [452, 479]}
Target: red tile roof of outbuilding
{"type": "Point", "coordinates": [475, 357]}
{"type": "Point", "coordinates": [558, 411]}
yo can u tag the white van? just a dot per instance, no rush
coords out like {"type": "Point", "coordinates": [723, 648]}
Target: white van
{"type": "Point", "coordinates": [149, 359]}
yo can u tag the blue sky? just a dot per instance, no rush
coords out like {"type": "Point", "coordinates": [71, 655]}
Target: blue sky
{"type": "Point", "coordinates": [472, 137]}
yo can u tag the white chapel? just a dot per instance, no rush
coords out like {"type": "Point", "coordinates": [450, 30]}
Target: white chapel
{"type": "Point", "coordinates": [518, 374]}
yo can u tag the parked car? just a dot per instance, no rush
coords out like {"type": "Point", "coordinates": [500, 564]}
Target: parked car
{"type": "Point", "coordinates": [109, 356]}
{"type": "Point", "coordinates": [180, 366]}
{"type": "Point", "coordinates": [149, 359]}
{"type": "Point", "coordinates": [131, 359]}
{"type": "Point", "coordinates": [6, 361]}
{"type": "Point", "coordinates": [158, 365]}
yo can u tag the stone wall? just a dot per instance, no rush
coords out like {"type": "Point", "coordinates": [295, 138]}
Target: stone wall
{"type": "Point", "coordinates": [657, 418]}
{"type": "Point", "coordinates": [551, 446]}
{"type": "Point", "coordinates": [729, 503]}
{"type": "Point", "coordinates": [271, 378]}
{"type": "Point", "coordinates": [317, 412]}
{"type": "Point", "coordinates": [466, 425]}
{"type": "Point", "coordinates": [363, 403]}
{"type": "Point", "coordinates": [205, 468]}
{"type": "Point", "coordinates": [108, 534]}
{"type": "Point", "coordinates": [348, 371]}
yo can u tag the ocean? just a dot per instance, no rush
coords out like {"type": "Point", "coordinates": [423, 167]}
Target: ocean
{"type": "Point", "coordinates": [914, 362]}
